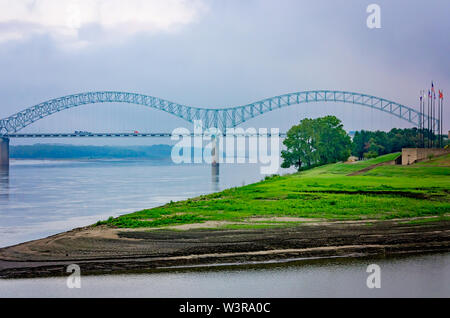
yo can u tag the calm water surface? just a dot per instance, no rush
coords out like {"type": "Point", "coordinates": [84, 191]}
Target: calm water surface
{"type": "Point", "coordinates": [412, 276]}
{"type": "Point", "coordinates": [41, 198]}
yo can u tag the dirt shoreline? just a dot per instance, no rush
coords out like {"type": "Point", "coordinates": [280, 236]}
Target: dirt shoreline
{"type": "Point", "coordinates": [103, 250]}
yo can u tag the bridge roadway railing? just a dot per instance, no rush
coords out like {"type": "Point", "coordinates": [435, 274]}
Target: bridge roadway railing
{"type": "Point", "coordinates": [122, 135]}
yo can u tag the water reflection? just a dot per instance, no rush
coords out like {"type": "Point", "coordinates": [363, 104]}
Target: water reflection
{"type": "Point", "coordinates": [4, 182]}
{"type": "Point", "coordinates": [215, 173]}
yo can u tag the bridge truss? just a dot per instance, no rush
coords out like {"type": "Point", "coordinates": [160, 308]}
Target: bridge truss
{"type": "Point", "coordinates": [221, 118]}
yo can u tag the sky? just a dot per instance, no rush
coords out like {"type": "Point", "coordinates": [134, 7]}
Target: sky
{"type": "Point", "coordinates": [218, 53]}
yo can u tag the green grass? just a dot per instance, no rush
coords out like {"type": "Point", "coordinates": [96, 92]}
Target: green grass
{"type": "Point", "coordinates": [347, 168]}
{"type": "Point", "coordinates": [437, 161]}
{"type": "Point", "coordinates": [326, 192]}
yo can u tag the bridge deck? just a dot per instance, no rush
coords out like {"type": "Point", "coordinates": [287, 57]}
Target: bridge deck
{"type": "Point", "coordinates": [118, 135]}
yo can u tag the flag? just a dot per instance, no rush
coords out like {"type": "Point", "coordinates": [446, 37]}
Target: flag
{"type": "Point", "coordinates": [441, 94]}
{"type": "Point", "coordinates": [429, 94]}
{"type": "Point", "coordinates": [432, 86]}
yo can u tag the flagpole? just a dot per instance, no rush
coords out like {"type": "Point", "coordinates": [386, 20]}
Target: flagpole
{"type": "Point", "coordinates": [440, 121]}
{"type": "Point", "coordinates": [432, 116]}
{"type": "Point", "coordinates": [442, 117]}
{"type": "Point", "coordinates": [433, 101]}
{"type": "Point", "coordinates": [423, 120]}
{"type": "Point", "coordinates": [422, 117]}
{"type": "Point", "coordinates": [428, 121]}
{"type": "Point", "coordinates": [420, 111]}
{"type": "Point", "coordinates": [431, 120]}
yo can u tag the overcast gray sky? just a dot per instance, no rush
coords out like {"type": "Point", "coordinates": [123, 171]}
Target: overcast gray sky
{"type": "Point", "coordinates": [218, 53]}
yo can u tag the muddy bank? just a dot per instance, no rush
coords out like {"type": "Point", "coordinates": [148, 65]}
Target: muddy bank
{"type": "Point", "coordinates": [100, 250]}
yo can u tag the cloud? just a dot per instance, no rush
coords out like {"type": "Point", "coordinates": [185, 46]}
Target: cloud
{"type": "Point", "coordinates": [64, 20]}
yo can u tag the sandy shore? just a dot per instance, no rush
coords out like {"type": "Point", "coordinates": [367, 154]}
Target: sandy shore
{"type": "Point", "coordinates": [100, 250]}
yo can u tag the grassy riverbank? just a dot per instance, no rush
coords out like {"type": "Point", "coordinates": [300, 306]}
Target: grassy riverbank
{"type": "Point", "coordinates": [323, 193]}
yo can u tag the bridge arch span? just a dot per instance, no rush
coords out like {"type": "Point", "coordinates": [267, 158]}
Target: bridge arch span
{"type": "Point", "coordinates": [212, 117]}
{"type": "Point", "coordinates": [26, 117]}
{"type": "Point", "coordinates": [269, 104]}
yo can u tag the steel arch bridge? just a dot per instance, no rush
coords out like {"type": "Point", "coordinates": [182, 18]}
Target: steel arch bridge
{"type": "Point", "coordinates": [221, 118]}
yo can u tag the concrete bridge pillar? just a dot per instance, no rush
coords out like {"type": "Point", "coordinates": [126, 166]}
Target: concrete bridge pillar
{"type": "Point", "coordinates": [4, 152]}
{"type": "Point", "coordinates": [215, 152]}
{"type": "Point", "coordinates": [215, 163]}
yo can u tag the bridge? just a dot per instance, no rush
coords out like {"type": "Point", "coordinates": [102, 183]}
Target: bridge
{"type": "Point", "coordinates": [221, 118]}
{"type": "Point", "coordinates": [126, 135]}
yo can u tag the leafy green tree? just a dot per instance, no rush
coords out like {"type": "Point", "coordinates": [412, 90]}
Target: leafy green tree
{"type": "Point", "coordinates": [299, 143]}
{"type": "Point", "coordinates": [316, 142]}
{"type": "Point", "coordinates": [380, 142]}
{"type": "Point", "coordinates": [333, 142]}
{"type": "Point", "coordinates": [360, 143]}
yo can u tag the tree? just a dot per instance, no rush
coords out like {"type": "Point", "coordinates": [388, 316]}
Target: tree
{"type": "Point", "coordinates": [367, 144]}
{"type": "Point", "coordinates": [360, 143]}
{"type": "Point", "coordinates": [316, 142]}
{"type": "Point", "coordinates": [299, 144]}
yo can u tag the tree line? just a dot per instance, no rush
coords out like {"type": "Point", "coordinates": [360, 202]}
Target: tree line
{"type": "Point", "coordinates": [323, 140]}
{"type": "Point", "coordinates": [61, 151]}
{"type": "Point", "coordinates": [370, 144]}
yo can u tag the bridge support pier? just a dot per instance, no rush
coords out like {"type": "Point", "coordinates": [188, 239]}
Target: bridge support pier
{"type": "Point", "coordinates": [4, 152]}
{"type": "Point", "coordinates": [215, 151]}
{"type": "Point", "coordinates": [215, 161]}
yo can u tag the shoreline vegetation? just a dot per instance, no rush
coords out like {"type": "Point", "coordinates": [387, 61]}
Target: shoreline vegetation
{"type": "Point", "coordinates": [349, 209]}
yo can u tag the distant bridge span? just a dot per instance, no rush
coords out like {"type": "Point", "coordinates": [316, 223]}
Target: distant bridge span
{"type": "Point", "coordinates": [134, 135]}
{"type": "Point", "coordinates": [221, 118]}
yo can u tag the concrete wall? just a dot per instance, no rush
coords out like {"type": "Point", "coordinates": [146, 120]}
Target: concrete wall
{"type": "Point", "coordinates": [412, 155]}
{"type": "Point", "coordinates": [4, 152]}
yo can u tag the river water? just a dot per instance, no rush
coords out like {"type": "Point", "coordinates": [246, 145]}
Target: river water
{"type": "Point", "coordinates": [41, 198]}
{"type": "Point", "coordinates": [411, 276]}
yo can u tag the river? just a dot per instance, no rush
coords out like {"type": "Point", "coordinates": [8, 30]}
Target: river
{"type": "Point", "coordinates": [39, 198]}
{"type": "Point", "coordinates": [407, 276]}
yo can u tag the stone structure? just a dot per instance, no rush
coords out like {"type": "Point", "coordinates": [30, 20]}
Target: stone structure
{"type": "Point", "coordinates": [412, 155]}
